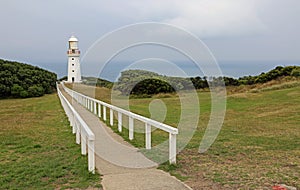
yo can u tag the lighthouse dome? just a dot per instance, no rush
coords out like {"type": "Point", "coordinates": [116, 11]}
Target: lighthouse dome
{"type": "Point", "coordinates": [73, 39]}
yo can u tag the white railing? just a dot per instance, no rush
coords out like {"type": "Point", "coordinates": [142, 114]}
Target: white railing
{"type": "Point", "coordinates": [95, 106]}
{"type": "Point", "coordinates": [84, 135]}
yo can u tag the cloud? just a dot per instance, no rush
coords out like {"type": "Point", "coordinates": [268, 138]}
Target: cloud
{"type": "Point", "coordinates": [37, 31]}
{"type": "Point", "coordinates": [206, 18]}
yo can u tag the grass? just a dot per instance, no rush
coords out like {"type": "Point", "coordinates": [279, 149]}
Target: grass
{"type": "Point", "coordinates": [38, 149]}
{"type": "Point", "coordinates": [258, 146]}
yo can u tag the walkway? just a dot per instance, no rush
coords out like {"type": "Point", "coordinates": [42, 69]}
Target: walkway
{"type": "Point", "coordinates": [110, 146]}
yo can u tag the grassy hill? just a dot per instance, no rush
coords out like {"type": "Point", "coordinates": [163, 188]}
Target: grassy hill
{"type": "Point", "coordinates": [257, 147]}
{"type": "Point", "coordinates": [140, 82]}
{"type": "Point", "coordinates": [37, 148]}
{"type": "Point", "coordinates": [93, 81]}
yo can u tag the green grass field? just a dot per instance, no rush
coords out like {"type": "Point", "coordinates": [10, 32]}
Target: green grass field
{"type": "Point", "coordinates": [38, 149]}
{"type": "Point", "coordinates": [257, 148]}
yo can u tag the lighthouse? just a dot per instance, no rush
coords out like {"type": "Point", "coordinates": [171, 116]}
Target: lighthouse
{"type": "Point", "coordinates": [74, 74]}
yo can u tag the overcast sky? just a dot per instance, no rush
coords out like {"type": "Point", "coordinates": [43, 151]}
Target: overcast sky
{"type": "Point", "coordinates": [242, 31]}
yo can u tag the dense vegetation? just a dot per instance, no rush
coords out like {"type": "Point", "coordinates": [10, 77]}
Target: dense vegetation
{"type": "Point", "coordinates": [140, 82]}
{"type": "Point", "coordinates": [264, 77]}
{"type": "Point", "coordinates": [274, 74]}
{"type": "Point", "coordinates": [152, 86]}
{"type": "Point", "coordinates": [21, 80]}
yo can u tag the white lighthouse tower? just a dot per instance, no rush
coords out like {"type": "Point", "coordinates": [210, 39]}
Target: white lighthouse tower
{"type": "Point", "coordinates": [74, 74]}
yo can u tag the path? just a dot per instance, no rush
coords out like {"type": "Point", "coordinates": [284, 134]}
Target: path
{"type": "Point", "coordinates": [115, 177]}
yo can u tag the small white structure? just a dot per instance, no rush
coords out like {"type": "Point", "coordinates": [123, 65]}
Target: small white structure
{"type": "Point", "coordinates": [74, 73]}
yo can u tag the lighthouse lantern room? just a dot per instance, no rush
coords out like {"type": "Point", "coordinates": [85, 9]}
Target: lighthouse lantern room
{"type": "Point", "coordinates": [74, 74]}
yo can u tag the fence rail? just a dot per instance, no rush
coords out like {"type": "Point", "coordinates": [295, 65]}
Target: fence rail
{"type": "Point", "coordinates": [84, 135]}
{"type": "Point", "coordinates": [99, 108]}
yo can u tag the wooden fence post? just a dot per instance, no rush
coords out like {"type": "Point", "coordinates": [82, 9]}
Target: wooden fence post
{"type": "Point", "coordinates": [172, 148]}
{"type": "Point", "coordinates": [119, 121]}
{"type": "Point", "coordinates": [111, 117]}
{"type": "Point", "coordinates": [91, 156]}
{"type": "Point", "coordinates": [131, 128]}
{"type": "Point", "coordinates": [104, 113]}
{"type": "Point", "coordinates": [99, 110]}
{"type": "Point", "coordinates": [148, 136]}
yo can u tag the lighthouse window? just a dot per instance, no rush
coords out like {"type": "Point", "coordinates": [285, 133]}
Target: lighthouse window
{"type": "Point", "coordinates": [72, 58]}
{"type": "Point", "coordinates": [73, 71]}
{"type": "Point", "coordinates": [73, 64]}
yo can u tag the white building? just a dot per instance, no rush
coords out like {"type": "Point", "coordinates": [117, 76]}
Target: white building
{"type": "Point", "coordinates": [74, 73]}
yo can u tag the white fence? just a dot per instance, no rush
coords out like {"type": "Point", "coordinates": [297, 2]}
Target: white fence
{"type": "Point", "coordinates": [99, 108]}
{"type": "Point", "coordinates": [84, 135]}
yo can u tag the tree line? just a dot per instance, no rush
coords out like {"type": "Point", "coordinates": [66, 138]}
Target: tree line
{"type": "Point", "coordinates": [139, 82]}
{"type": "Point", "coordinates": [21, 80]}
{"type": "Point", "coordinates": [274, 74]}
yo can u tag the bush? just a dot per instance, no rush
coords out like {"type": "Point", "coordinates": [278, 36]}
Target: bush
{"type": "Point", "coordinates": [16, 90]}
{"type": "Point", "coordinates": [24, 94]}
{"type": "Point", "coordinates": [152, 86]}
{"type": "Point", "coordinates": [296, 72]}
{"type": "Point", "coordinates": [36, 91]}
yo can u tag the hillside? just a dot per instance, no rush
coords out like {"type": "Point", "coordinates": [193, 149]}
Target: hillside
{"type": "Point", "coordinates": [21, 80]}
{"type": "Point", "coordinates": [139, 82]}
{"type": "Point", "coordinates": [93, 81]}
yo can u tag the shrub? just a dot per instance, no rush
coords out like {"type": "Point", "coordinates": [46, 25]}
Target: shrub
{"type": "Point", "coordinates": [16, 90]}
{"type": "Point", "coordinates": [152, 86]}
{"type": "Point", "coordinates": [36, 91]}
{"type": "Point", "coordinates": [296, 72]}
{"type": "Point", "coordinates": [24, 94]}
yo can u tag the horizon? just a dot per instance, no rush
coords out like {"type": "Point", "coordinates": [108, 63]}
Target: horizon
{"type": "Point", "coordinates": [228, 69]}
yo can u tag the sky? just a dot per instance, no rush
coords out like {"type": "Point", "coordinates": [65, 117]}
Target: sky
{"type": "Point", "coordinates": [245, 36]}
